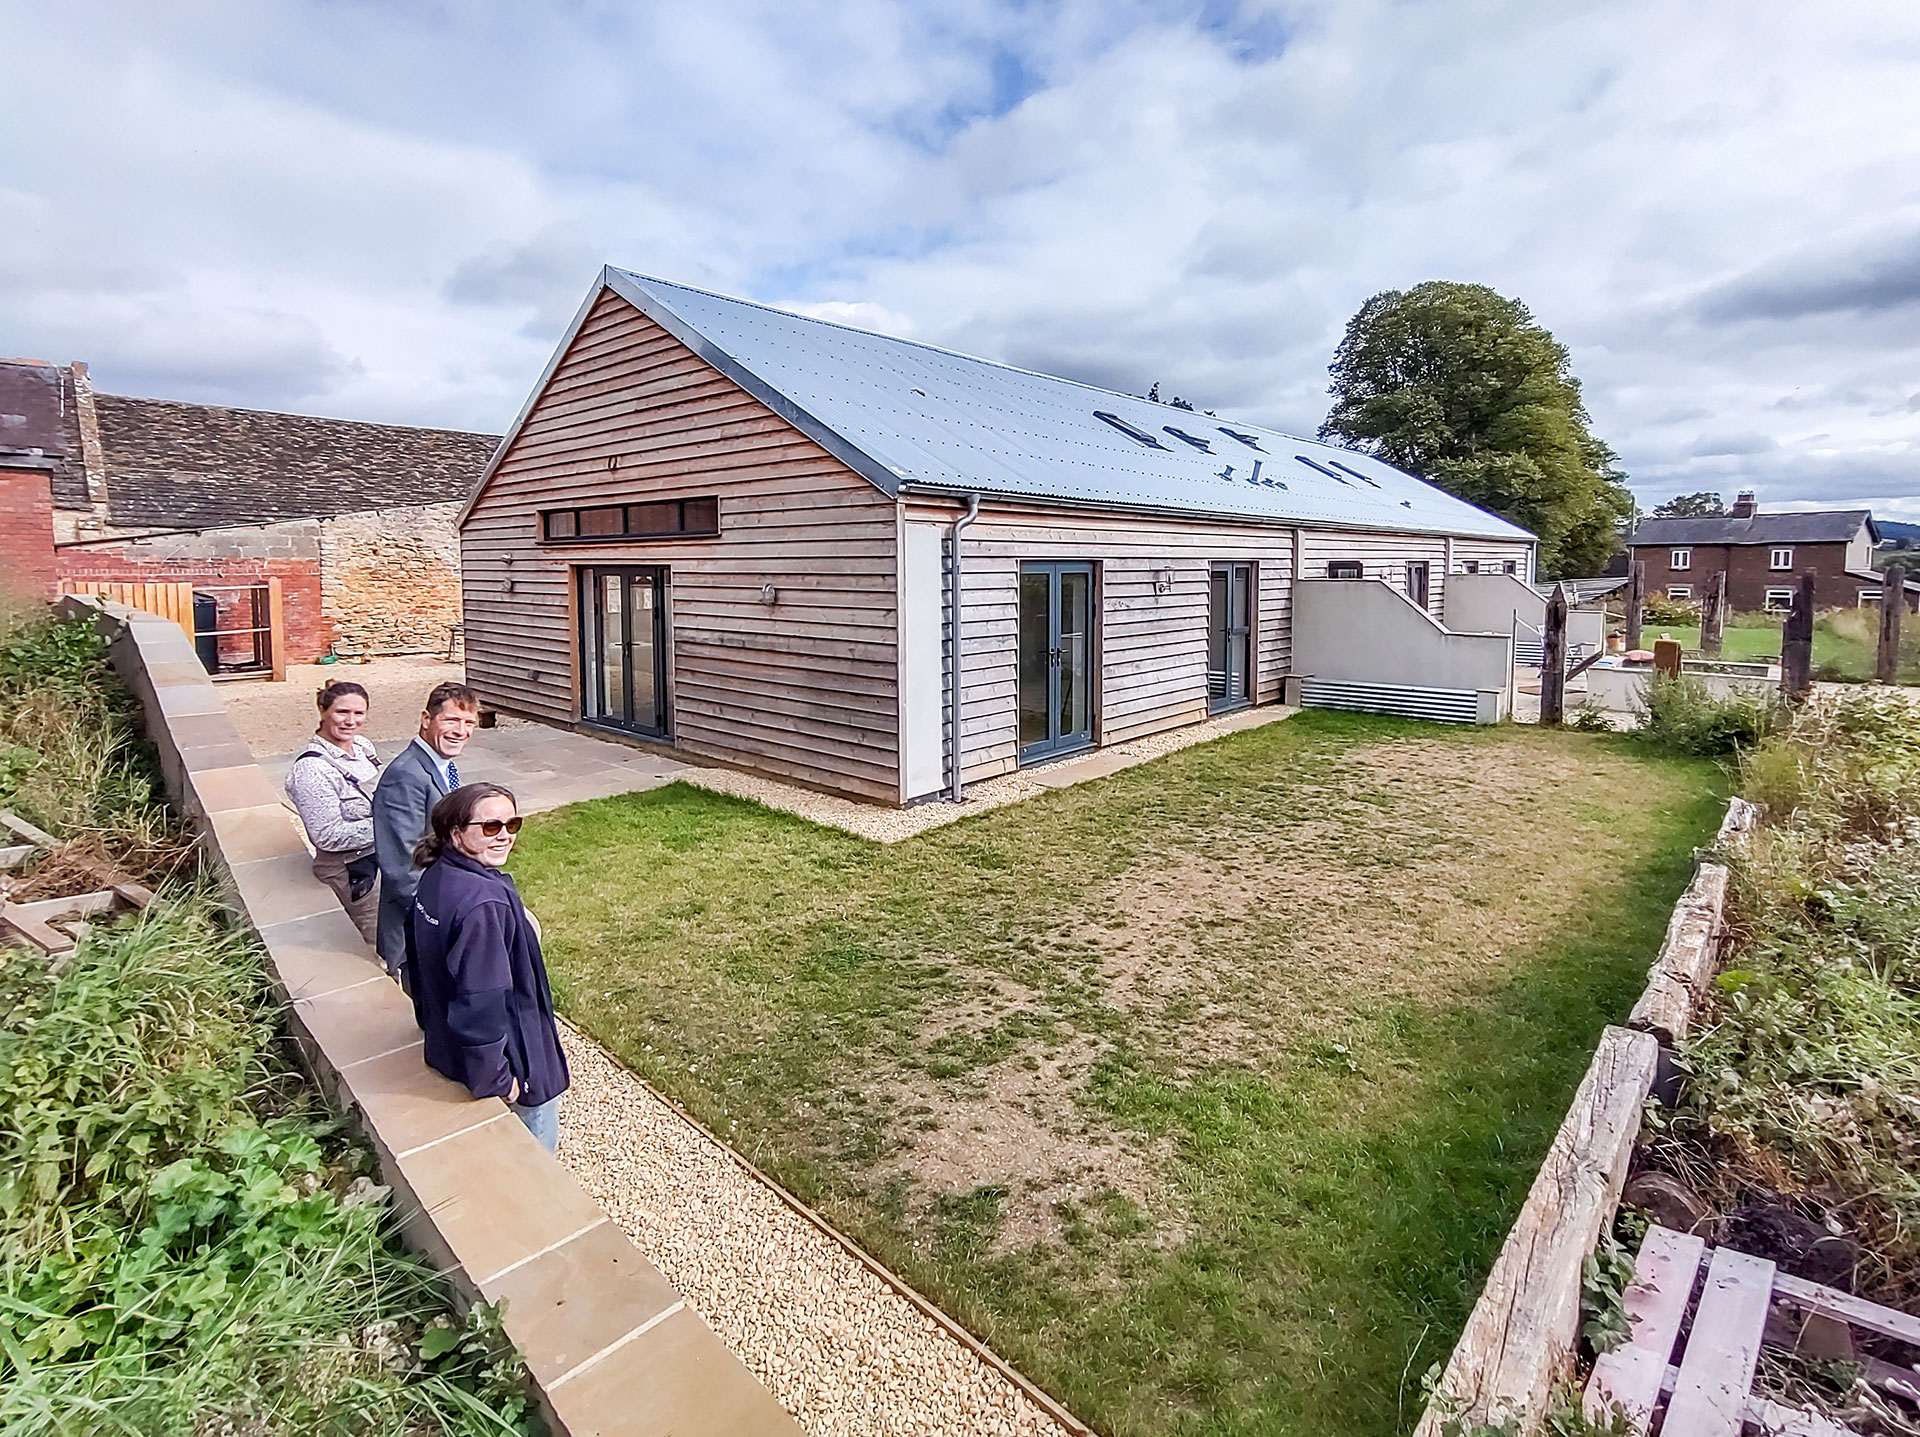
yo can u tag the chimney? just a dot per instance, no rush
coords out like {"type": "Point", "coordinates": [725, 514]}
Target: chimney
{"type": "Point", "coordinates": [1743, 505]}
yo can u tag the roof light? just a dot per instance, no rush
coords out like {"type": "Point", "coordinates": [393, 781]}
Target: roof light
{"type": "Point", "coordinates": [1186, 438]}
{"type": "Point", "coordinates": [1138, 436]}
{"type": "Point", "coordinates": [1250, 440]}
{"type": "Point", "coordinates": [1354, 472]}
{"type": "Point", "coordinates": [1316, 465]}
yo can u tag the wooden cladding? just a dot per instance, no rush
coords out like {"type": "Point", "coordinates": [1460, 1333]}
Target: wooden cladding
{"type": "Point", "coordinates": [660, 519]}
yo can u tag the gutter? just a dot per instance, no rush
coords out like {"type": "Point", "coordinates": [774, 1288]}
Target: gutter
{"type": "Point", "coordinates": [956, 793]}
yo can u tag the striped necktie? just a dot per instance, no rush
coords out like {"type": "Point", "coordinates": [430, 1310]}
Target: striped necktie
{"type": "Point", "coordinates": [453, 776]}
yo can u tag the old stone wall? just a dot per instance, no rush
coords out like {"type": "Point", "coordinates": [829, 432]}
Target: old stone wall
{"type": "Point", "coordinates": [390, 578]}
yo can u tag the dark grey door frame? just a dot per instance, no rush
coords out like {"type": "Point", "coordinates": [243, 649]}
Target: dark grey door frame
{"type": "Point", "coordinates": [650, 718]}
{"type": "Point", "coordinates": [1419, 581]}
{"type": "Point", "coordinates": [1057, 739]}
{"type": "Point", "coordinates": [1230, 636]}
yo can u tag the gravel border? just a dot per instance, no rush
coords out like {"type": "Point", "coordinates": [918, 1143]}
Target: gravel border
{"type": "Point", "coordinates": [891, 825]}
{"type": "Point", "coordinates": [844, 1350]}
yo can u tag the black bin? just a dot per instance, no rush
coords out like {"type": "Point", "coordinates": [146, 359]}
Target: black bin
{"type": "Point", "coordinates": [206, 643]}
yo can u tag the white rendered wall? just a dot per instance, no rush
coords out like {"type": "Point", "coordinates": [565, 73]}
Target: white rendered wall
{"type": "Point", "coordinates": [922, 601]}
{"type": "Point", "coordinates": [1365, 631]}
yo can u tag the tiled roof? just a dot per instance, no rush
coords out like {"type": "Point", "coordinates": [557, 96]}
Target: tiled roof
{"type": "Point", "coordinates": [185, 466]}
{"type": "Point", "coordinates": [40, 420]}
{"type": "Point", "coordinates": [1817, 526]}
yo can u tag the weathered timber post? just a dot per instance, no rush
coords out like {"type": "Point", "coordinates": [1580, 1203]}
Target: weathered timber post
{"type": "Point", "coordinates": [1796, 644]}
{"type": "Point", "coordinates": [1553, 658]}
{"type": "Point", "coordinates": [1636, 601]}
{"type": "Point", "coordinates": [1713, 616]}
{"type": "Point", "coordinates": [1893, 604]}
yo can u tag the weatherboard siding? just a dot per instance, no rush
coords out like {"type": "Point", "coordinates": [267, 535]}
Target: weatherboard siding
{"type": "Point", "coordinates": [1152, 646]}
{"type": "Point", "coordinates": [804, 688]}
{"type": "Point", "coordinates": [1490, 554]}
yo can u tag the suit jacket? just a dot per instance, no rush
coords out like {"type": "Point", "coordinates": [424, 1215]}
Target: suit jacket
{"type": "Point", "coordinates": [409, 787]}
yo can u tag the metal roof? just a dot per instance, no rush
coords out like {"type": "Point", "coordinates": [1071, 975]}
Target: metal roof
{"type": "Point", "coordinates": [1810, 526]}
{"type": "Point", "coordinates": [908, 414]}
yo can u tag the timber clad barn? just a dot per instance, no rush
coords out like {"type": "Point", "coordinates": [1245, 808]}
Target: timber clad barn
{"type": "Point", "coordinates": [733, 530]}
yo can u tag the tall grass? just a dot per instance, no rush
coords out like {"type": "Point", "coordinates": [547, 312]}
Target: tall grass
{"type": "Point", "coordinates": [189, 1244]}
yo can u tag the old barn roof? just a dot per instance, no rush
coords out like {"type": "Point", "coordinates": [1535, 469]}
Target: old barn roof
{"type": "Point", "coordinates": [40, 426]}
{"type": "Point", "coordinates": [186, 466]}
{"type": "Point", "coordinates": [909, 415]}
{"type": "Point", "coordinates": [1814, 526]}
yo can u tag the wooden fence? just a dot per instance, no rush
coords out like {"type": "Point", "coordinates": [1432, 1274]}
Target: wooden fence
{"type": "Point", "coordinates": [249, 629]}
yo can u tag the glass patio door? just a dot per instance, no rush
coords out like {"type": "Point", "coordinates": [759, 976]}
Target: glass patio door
{"type": "Point", "coordinates": [623, 648]}
{"type": "Point", "coordinates": [1056, 659]}
{"type": "Point", "coordinates": [1230, 637]}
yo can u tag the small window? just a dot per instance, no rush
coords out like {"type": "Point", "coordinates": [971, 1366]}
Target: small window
{"type": "Point", "coordinates": [660, 519]}
{"type": "Point", "coordinates": [1679, 591]}
{"type": "Point", "coordinates": [1869, 596]}
{"type": "Point", "coordinates": [1511, 566]}
{"type": "Point", "coordinates": [1252, 441]}
{"type": "Point", "coordinates": [1320, 468]}
{"type": "Point", "coordinates": [1779, 600]}
{"type": "Point", "coordinates": [1185, 438]}
{"type": "Point", "coordinates": [1680, 559]}
{"type": "Point", "coordinates": [1472, 566]}
{"type": "Point", "coordinates": [1343, 569]}
{"type": "Point", "coordinates": [1781, 559]}
{"type": "Point", "coordinates": [1138, 436]}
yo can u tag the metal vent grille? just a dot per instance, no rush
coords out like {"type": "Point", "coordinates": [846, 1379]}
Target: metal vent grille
{"type": "Point", "coordinates": [1439, 705]}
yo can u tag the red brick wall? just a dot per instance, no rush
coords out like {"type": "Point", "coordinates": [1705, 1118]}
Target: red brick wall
{"type": "Point", "coordinates": [1748, 574]}
{"type": "Point", "coordinates": [26, 533]}
{"type": "Point", "coordinates": [309, 632]}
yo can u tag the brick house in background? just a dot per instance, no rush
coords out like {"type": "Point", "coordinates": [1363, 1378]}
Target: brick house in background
{"type": "Point", "coordinates": [1764, 557]}
{"type": "Point", "coordinates": [355, 520]}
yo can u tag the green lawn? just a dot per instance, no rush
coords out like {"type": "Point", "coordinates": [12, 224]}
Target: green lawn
{"type": "Point", "coordinates": [1845, 643]}
{"type": "Point", "coordinates": [1206, 1092]}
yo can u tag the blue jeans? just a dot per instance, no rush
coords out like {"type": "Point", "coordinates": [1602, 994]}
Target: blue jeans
{"type": "Point", "coordinates": [543, 1122]}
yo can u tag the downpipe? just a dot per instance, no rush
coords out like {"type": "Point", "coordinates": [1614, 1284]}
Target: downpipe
{"type": "Point", "coordinates": [956, 793]}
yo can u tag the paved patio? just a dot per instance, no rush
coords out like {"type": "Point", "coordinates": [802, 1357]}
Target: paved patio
{"type": "Point", "coordinates": [545, 767]}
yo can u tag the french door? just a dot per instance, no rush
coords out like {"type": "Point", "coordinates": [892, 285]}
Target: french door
{"type": "Point", "coordinates": [1056, 659]}
{"type": "Point", "coordinates": [1230, 637]}
{"type": "Point", "coordinates": [623, 649]}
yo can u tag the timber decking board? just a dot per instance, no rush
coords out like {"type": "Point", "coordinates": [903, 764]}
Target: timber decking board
{"type": "Point", "coordinates": [1723, 1348]}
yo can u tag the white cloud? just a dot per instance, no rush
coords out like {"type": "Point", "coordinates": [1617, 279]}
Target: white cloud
{"type": "Point", "coordinates": [392, 213]}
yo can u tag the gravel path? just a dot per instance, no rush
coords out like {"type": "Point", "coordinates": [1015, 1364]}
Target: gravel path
{"type": "Point", "coordinates": [280, 718]}
{"type": "Point", "coordinates": [841, 1350]}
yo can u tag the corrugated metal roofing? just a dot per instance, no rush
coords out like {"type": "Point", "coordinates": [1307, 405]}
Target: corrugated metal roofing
{"type": "Point", "coordinates": [904, 413]}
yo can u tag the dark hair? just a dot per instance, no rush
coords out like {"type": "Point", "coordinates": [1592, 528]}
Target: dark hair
{"type": "Point", "coordinates": [459, 695]}
{"type": "Point", "coordinates": [452, 813]}
{"type": "Point", "coordinates": [337, 690]}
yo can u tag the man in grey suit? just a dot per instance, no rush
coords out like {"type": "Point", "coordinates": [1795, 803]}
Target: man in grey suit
{"type": "Point", "coordinates": [417, 778]}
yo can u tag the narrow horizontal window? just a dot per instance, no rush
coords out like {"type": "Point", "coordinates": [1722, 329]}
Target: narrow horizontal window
{"type": "Point", "coordinates": [1343, 569]}
{"type": "Point", "coordinates": [1680, 591]}
{"type": "Point", "coordinates": [1138, 436]}
{"type": "Point", "coordinates": [657, 519]}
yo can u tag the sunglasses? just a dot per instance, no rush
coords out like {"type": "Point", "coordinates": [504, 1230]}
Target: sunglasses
{"type": "Point", "coordinates": [492, 826]}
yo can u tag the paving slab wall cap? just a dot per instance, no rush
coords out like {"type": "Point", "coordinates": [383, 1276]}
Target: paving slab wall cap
{"type": "Point", "coordinates": [611, 1347]}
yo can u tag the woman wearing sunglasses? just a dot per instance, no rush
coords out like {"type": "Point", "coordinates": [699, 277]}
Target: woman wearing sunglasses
{"type": "Point", "coordinates": [479, 985]}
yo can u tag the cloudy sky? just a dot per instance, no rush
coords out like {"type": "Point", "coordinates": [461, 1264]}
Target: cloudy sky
{"type": "Point", "coordinates": [388, 210]}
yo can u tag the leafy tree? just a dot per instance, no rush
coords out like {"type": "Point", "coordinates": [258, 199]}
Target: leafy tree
{"type": "Point", "coordinates": [1704, 505]}
{"type": "Point", "coordinates": [1459, 384]}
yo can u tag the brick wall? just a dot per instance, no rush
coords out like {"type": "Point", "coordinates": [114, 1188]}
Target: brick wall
{"type": "Point", "coordinates": [1749, 574]}
{"type": "Point", "coordinates": [309, 632]}
{"type": "Point", "coordinates": [391, 577]}
{"type": "Point", "coordinates": [26, 533]}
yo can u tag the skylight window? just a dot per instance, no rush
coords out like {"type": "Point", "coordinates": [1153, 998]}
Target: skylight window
{"type": "Point", "coordinates": [1321, 468]}
{"type": "Point", "coordinates": [1354, 472]}
{"type": "Point", "coordinates": [1138, 436]}
{"type": "Point", "coordinates": [1252, 441]}
{"type": "Point", "coordinates": [1185, 438]}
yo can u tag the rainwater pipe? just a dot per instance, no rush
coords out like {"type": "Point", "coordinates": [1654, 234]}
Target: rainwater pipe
{"type": "Point", "coordinates": [955, 792]}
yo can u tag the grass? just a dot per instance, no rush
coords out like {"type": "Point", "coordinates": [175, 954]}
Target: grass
{"type": "Point", "coordinates": [1845, 643]}
{"type": "Point", "coordinates": [1205, 1093]}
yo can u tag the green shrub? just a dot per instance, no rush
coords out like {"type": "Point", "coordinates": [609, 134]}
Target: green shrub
{"type": "Point", "coordinates": [1682, 716]}
{"type": "Point", "coordinates": [1659, 609]}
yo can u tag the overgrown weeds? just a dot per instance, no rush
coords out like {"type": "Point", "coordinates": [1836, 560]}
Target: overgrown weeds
{"type": "Point", "coordinates": [1805, 1090]}
{"type": "Point", "coordinates": [1683, 716]}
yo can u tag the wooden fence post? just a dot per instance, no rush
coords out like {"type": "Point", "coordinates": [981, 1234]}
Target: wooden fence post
{"type": "Point", "coordinates": [1796, 644]}
{"type": "Point", "coordinates": [1713, 616]}
{"type": "Point", "coordinates": [1893, 604]}
{"type": "Point", "coordinates": [1636, 600]}
{"type": "Point", "coordinates": [276, 633]}
{"type": "Point", "coordinates": [1553, 658]}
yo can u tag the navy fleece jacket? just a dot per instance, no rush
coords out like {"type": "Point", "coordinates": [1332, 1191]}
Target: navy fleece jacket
{"type": "Point", "coordinates": [479, 986]}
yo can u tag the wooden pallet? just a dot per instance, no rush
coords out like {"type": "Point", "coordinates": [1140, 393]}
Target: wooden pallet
{"type": "Point", "coordinates": [54, 925]}
{"type": "Point", "coordinates": [1744, 1303]}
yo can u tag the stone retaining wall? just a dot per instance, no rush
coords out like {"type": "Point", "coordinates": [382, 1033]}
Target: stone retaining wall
{"type": "Point", "coordinates": [610, 1346]}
